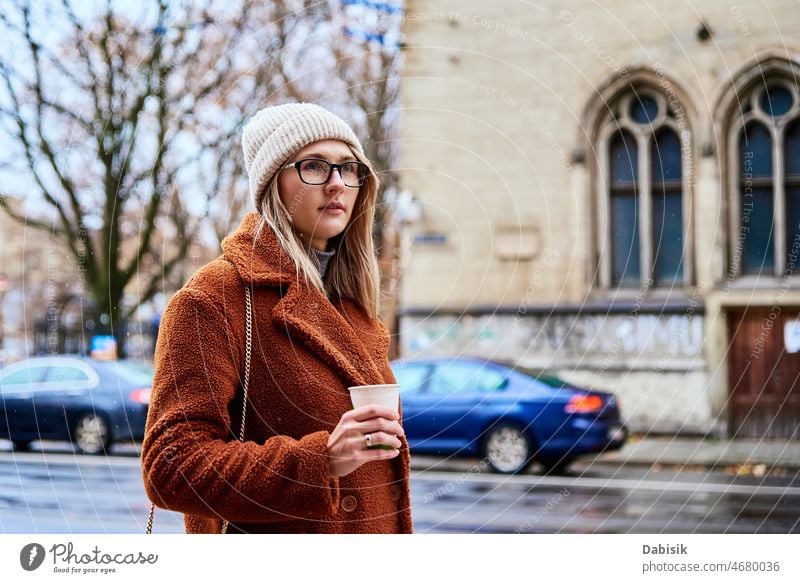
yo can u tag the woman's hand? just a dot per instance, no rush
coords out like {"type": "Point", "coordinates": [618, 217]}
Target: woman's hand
{"type": "Point", "coordinates": [347, 445]}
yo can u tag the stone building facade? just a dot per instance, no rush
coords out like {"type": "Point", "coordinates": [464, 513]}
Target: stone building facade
{"type": "Point", "coordinates": [611, 192]}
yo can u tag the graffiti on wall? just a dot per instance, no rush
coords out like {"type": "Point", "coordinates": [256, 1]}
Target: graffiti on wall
{"type": "Point", "coordinates": [557, 339]}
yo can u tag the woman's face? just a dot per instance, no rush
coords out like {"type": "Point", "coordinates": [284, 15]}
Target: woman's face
{"type": "Point", "coordinates": [307, 203]}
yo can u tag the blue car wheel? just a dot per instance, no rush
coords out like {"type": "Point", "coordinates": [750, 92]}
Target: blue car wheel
{"type": "Point", "coordinates": [507, 448]}
{"type": "Point", "coordinates": [91, 434]}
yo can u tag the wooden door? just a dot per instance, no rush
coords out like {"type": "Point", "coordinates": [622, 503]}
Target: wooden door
{"type": "Point", "coordinates": [764, 381]}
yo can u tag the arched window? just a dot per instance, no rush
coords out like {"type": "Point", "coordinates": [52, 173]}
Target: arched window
{"type": "Point", "coordinates": [643, 193]}
{"type": "Point", "coordinates": [765, 161]}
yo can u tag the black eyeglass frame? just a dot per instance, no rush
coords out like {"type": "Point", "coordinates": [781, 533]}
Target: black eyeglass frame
{"type": "Point", "coordinates": [331, 168]}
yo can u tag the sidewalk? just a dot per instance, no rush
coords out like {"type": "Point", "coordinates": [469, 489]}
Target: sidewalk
{"type": "Point", "coordinates": [685, 451]}
{"type": "Point", "coordinates": [746, 456]}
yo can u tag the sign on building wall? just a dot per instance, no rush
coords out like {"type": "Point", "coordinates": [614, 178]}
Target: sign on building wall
{"type": "Point", "coordinates": [791, 335]}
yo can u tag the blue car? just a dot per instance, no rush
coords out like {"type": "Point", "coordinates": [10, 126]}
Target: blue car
{"type": "Point", "coordinates": [88, 402]}
{"type": "Point", "coordinates": [506, 415]}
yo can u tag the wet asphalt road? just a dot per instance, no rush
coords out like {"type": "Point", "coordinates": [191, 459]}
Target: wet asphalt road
{"type": "Point", "coordinates": [54, 491]}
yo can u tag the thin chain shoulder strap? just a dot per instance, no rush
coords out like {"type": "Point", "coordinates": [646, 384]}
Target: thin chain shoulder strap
{"type": "Point", "coordinates": [248, 351]}
{"type": "Point", "coordinates": [248, 330]}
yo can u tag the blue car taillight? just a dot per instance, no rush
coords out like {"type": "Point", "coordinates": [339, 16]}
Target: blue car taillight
{"type": "Point", "coordinates": [140, 395]}
{"type": "Point", "coordinates": [584, 404]}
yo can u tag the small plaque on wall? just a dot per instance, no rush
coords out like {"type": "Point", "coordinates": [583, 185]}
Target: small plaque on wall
{"type": "Point", "coordinates": [516, 241]}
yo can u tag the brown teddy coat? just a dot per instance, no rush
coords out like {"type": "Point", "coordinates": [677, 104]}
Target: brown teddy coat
{"type": "Point", "coordinates": [307, 350]}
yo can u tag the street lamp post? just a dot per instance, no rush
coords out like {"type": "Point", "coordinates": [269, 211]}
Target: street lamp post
{"type": "Point", "coordinates": [406, 211]}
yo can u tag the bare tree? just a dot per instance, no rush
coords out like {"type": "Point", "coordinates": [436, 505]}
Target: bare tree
{"type": "Point", "coordinates": [108, 116]}
{"type": "Point", "coordinates": [125, 127]}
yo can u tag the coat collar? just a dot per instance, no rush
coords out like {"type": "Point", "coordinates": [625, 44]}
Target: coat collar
{"type": "Point", "coordinates": [262, 263]}
{"type": "Point", "coordinates": [340, 333]}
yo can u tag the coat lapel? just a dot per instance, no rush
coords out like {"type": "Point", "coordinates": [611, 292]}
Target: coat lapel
{"type": "Point", "coordinates": [340, 338]}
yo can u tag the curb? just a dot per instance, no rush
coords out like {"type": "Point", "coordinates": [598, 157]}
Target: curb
{"type": "Point", "coordinates": [742, 466]}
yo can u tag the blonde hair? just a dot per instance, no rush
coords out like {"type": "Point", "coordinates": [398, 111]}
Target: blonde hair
{"type": "Point", "coordinates": [353, 271]}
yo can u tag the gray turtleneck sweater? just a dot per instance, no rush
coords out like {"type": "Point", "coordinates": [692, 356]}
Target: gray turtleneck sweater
{"type": "Point", "coordinates": [322, 259]}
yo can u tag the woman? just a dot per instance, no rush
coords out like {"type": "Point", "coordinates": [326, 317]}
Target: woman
{"type": "Point", "coordinates": [304, 465]}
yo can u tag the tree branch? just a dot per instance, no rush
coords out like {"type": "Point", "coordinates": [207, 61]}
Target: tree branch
{"type": "Point", "coordinates": [87, 58]}
{"type": "Point", "coordinates": [22, 135]}
{"type": "Point", "coordinates": [25, 220]}
{"type": "Point", "coordinates": [44, 143]}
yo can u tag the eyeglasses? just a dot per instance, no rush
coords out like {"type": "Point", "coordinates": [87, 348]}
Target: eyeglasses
{"type": "Point", "coordinates": [316, 171]}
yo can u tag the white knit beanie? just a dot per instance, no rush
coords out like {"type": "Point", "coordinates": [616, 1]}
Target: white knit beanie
{"type": "Point", "coordinates": [275, 133]}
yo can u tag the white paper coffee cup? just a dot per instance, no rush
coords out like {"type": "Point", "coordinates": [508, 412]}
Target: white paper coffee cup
{"type": "Point", "coordinates": [385, 395]}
